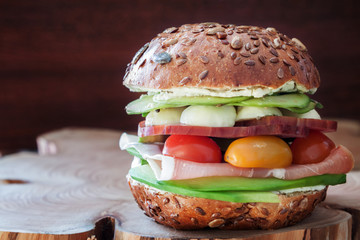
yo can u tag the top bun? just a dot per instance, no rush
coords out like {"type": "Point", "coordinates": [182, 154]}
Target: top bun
{"type": "Point", "coordinates": [222, 60]}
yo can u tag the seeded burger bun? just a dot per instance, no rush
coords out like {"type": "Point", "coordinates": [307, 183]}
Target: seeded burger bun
{"type": "Point", "coordinates": [215, 59]}
{"type": "Point", "coordinates": [222, 60]}
{"type": "Point", "coordinates": [190, 213]}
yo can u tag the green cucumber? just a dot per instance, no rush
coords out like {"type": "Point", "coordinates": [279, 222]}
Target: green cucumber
{"type": "Point", "coordinates": [205, 100]}
{"type": "Point", "coordinates": [145, 175]}
{"type": "Point", "coordinates": [306, 109]}
{"type": "Point", "coordinates": [292, 100]}
{"type": "Point", "coordinates": [146, 104]}
{"type": "Point", "coordinates": [295, 102]}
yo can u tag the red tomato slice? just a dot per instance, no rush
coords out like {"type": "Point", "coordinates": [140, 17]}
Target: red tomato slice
{"type": "Point", "coordinates": [313, 148]}
{"type": "Point", "coordinates": [192, 148]}
{"type": "Point", "coordinates": [272, 125]}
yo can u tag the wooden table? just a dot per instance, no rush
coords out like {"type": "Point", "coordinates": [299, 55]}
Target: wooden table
{"type": "Point", "coordinates": [75, 188]}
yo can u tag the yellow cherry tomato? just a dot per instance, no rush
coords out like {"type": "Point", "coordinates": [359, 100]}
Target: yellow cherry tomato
{"type": "Point", "coordinates": [259, 152]}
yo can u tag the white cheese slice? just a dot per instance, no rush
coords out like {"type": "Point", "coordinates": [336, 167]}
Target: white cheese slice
{"type": "Point", "coordinates": [164, 116]}
{"type": "Point", "coordinates": [245, 113]}
{"type": "Point", "coordinates": [209, 116]}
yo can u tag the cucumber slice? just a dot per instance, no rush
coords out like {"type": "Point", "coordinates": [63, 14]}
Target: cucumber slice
{"type": "Point", "coordinates": [145, 175]}
{"type": "Point", "coordinates": [292, 100]}
{"type": "Point", "coordinates": [146, 104]}
{"type": "Point", "coordinates": [295, 102]}
{"type": "Point", "coordinates": [306, 109]}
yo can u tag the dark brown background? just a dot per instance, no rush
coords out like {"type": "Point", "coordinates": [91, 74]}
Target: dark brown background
{"type": "Point", "coordinates": [62, 62]}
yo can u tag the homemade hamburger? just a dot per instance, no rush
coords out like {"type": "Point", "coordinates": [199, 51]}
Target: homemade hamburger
{"type": "Point", "coordinates": [231, 138]}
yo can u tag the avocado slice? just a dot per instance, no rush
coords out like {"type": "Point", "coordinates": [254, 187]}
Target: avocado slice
{"type": "Point", "coordinates": [145, 175]}
{"type": "Point", "coordinates": [254, 184]}
{"type": "Point", "coordinates": [208, 184]}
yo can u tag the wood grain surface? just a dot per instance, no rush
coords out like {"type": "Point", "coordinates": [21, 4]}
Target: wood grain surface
{"type": "Point", "coordinates": [62, 61]}
{"type": "Point", "coordinates": [75, 188]}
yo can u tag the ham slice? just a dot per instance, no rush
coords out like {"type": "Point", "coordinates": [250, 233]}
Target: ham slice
{"type": "Point", "coordinates": [339, 161]}
{"type": "Point", "coordinates": [286, 127]}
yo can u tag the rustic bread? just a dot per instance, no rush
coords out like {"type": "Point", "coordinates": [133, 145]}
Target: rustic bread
{"type": "Point", "coordinates": [183, 212]}
{"type": "Point", "coordinates": [217, 58]}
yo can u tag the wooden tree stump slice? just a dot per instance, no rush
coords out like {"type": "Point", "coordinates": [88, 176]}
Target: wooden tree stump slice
{"type": "Point", "coordinates": [76, 189]}
{"type": "Point", "coordinates": [348, 134]}
{"type": "Point", "coordinates": [347, 197]}
{"type": "Point", "coordinates": [323, 222]}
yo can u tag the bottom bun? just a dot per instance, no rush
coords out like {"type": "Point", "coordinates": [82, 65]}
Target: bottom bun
{"type": "Point", "coordinates": [184, 212]}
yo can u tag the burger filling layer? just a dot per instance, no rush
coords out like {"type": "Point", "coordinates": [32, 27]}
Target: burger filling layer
{"type": "Point", "coordinates": [258, 184]}
{"type": "Point", "coordinates": [237, 149]}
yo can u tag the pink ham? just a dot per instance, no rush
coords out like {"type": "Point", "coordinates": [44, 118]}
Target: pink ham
{"type": "Point", "coordinates": [286, 127]}
{"type": "Point", "coordinates": [339, 161]}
